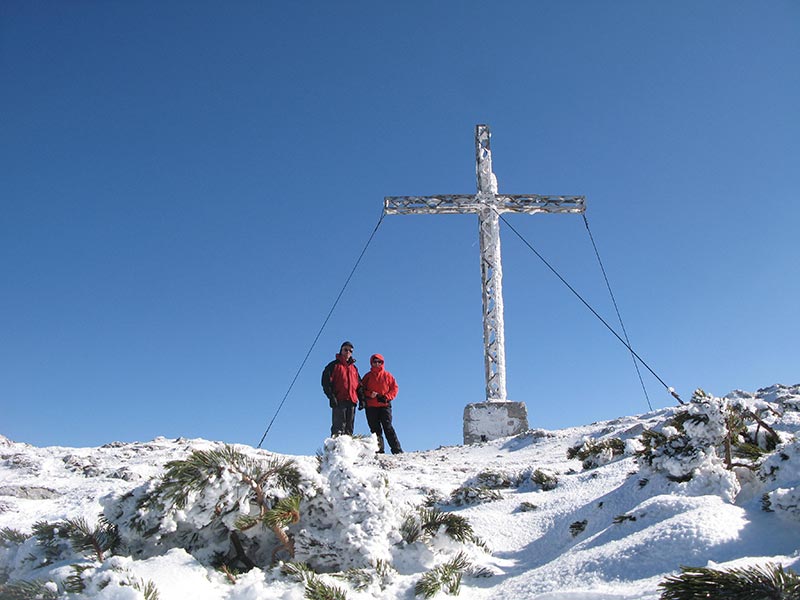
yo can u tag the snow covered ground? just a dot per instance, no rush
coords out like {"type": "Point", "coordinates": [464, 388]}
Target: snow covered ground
{"type": "Point", "coordinates": [611, 526]}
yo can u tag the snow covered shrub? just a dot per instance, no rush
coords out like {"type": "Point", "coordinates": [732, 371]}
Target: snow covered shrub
{"type": "Point", "coordinates": [210, 504]}
{"type": "Point", "coordinates": [781, 472]}
{"type": "Point", "coordinates": [544, 480]}
{"type": "Point", "coordinates": [495, 480]}
{"type": "Point", "coordinates": [351, 522]}
{"type": "Point", "coordinates": [595, 453]}
{"type": "Point", "coordinates": [578, 527]}
{"type": "Point", "coordinates": [707, 443]}
{"type": "Point", "coordinates": [80, 580]}
{"type": "Point", "coordinates": [748, 583]}
{"type": "Point", "coordinates": [473, 495]}
{"type": "Point", "coordinates": [527, 507]}
{"type": "Point", "coordinates": [687, 445]}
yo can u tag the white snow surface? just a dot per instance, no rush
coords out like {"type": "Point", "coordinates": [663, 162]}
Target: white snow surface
{"type": "Point", "coordinates": [535, 549]}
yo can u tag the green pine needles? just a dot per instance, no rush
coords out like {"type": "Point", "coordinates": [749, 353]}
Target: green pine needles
{"type": "Point", "coordinates": [770, 582]}
{"type": "Point", "coordinates": [314, 587]}
{"type": "Point", "coordinates": [447, 577]}
{"type": "Point", "coordinates": [56, 538]}
{"type": "Point", "coordinates": [426, 522]}
{"type": "Point", "coordinates": [10, 535]}
{"type": "Point", "coordinates": [194, 473]}
{"type": "Point", "coordinates": [29, 590]}
{"type": "Point", "coordinates": [96, 541]}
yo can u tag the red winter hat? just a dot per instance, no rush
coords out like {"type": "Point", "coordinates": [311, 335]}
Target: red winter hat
{"type": "Point", "coordinates": [376, 356]}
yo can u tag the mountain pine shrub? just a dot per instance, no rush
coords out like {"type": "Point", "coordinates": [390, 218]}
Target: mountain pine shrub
{"type": "Point", "coordinates": [474, 495]}
{"type": "Point", "coordinates": [594, 453]}
{"type": "Point", "coordinates": [578, 527]}
{"type": "Point", "coordinates": [709, 432]}
{"type": "Point", "coordinates": [207, 501]}
{"type": "Point", "coordinates": [770, 582]}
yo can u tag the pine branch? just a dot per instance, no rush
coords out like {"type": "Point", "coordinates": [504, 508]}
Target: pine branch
{"type": "Point", "coordinates": [447, 576]}
{"type": "Point", "coordinates": [297, 571]}
{"type": "Point", "coordinates": [285, 512]}
{"type": "Point", "coordinates": [456, 526]}
{"type": "Point", "coordinates": [12, 536]}
{"type": "Point", "coordinates": [52, 537]}
{"type": "Point", "coordinates": [74, 583]}
{"type": "Point", "coordinates": [148, 589]}
{"type": "Point", "coordinates": [28, 590]}
{"type": "Point", "coordinates": [410, 529]}
{"type": "Point", "coordinates": [770, 582]}
{"type": "Point", "coordinates": [316, 589]}
{"type": "Point", "coordinates": [359, 578]}
{"type": "Point", "coordinates": [103, 538]}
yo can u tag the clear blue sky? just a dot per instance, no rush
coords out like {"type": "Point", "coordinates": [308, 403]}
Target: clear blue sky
{"type": "Point", "coordinates": [185, 187]}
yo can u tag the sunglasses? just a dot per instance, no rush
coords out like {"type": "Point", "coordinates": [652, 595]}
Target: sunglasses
{"type": "Point", "coordinates": [350, 350]}
{"type": "Point", "coordinates": [376, 361]}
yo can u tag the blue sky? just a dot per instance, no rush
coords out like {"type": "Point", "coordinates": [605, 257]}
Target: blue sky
{"type": "Point", "coordinates": [185, 187]}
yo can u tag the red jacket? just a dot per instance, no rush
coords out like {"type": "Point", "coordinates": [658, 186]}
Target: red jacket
{"type": "Point", "coordinates": [340, 380]}
{"type": "Point", "coordinates": [379, 381]}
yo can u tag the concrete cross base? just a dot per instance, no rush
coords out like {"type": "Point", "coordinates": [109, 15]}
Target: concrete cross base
{"type": "Point", "coordinates": [485, 421]}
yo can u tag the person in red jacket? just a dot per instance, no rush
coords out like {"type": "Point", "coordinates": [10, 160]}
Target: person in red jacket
{"type": "Point", "coordinates": [340, 382]}
{"type": "Point", "coordinates": [378, 389]}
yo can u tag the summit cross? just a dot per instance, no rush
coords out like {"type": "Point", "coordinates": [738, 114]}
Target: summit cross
{"type": "Point", "coordinates": [488, 204]}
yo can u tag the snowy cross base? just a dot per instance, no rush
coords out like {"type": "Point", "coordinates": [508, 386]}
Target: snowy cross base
{"type": "Point", "coordinates": [488, 421]}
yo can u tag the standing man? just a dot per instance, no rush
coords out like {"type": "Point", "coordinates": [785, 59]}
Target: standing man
{"type": "Point", "coordinates": [378, 389]}
{"type": "Point", "coordinates": [340, 383]}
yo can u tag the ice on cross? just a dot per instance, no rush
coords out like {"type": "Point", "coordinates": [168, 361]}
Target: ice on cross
{"type": "Point", "coordinates": [497, 417]}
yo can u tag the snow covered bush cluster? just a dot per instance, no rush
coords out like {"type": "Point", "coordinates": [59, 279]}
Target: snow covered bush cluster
{"type": "Point", "coordinates": [216, 504]}
{"type": "Point", "coordinates": [236, 510]}
{"type": "Point", "coordinates": [596, 453]}
{"type": "Point", "coordinates": [717, 445]}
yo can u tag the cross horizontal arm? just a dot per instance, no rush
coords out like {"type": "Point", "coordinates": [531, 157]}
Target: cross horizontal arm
{"type": "Point", "coordinates": [540, 204]}
{"type": "Point", "coordinates": [449, 204]}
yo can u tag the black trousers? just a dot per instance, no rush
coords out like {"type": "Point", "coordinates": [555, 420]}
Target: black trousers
{"type": "Point", "coordinates": [343, 418]}
{"type": "Point", "coordinates": [380, 422]}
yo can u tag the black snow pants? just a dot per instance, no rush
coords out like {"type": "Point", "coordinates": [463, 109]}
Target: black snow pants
{"type": "Point", "coordinates": [379, 420]}
{"type": "Point", "coordinates": [343, 418]}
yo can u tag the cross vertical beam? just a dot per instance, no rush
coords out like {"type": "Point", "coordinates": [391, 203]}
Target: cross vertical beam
{"type": "Point", "coordinates": [494, 342]}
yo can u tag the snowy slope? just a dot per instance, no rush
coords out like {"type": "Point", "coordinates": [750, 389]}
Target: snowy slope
{"type": "Point", "coordinates": [614, 530]}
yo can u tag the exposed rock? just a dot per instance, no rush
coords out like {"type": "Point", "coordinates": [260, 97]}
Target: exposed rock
{"type": "Point", "coordinates": [28, 492]}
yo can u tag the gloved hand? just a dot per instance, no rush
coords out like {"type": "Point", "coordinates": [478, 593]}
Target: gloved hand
{"type": "Point", "coordinates": [332, 402]}
{"type": "Point", "coordinates": [382, 399]}
{"type": "Point", "coordinates": [361, 404]}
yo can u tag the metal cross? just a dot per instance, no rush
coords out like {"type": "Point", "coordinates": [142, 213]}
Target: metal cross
{"type": "Point", "coordinates": [488, 204]}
